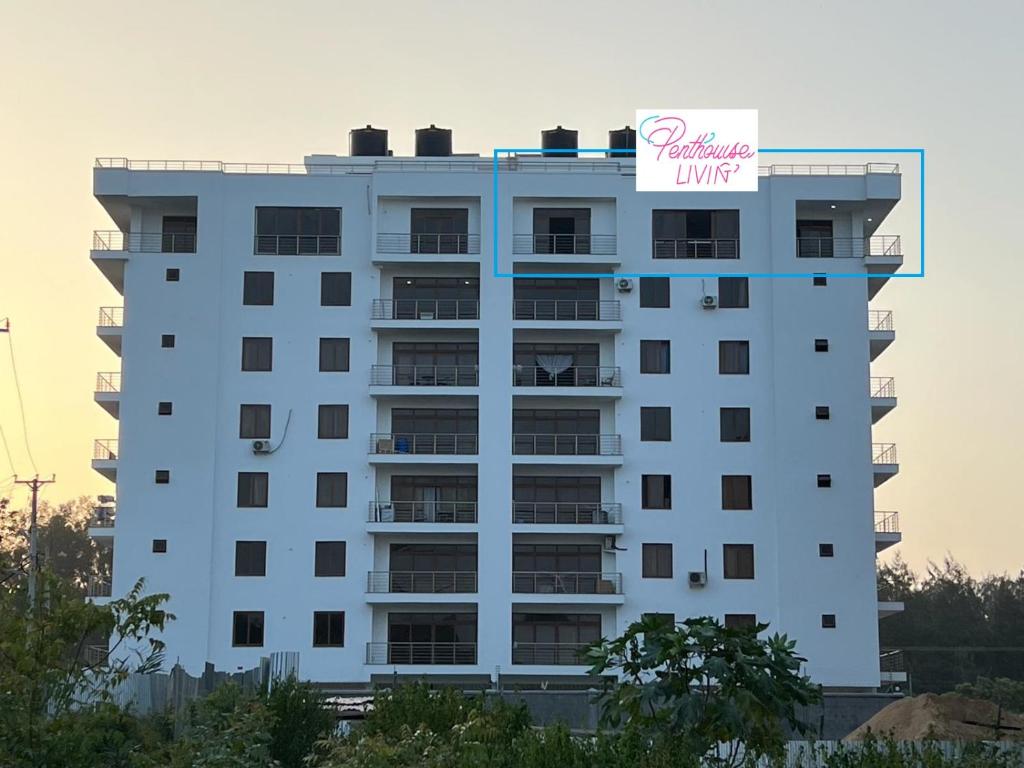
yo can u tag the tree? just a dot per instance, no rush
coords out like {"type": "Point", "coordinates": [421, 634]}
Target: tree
{"type": "Point", "coordinates": [299, 719]}
{"type": "Point", "coordinates": [228, 729]}
{"type": "Point", "coordinates": [721, 693]}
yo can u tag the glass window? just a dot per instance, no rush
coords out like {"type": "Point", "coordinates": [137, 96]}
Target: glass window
{"type": "Point", "coordinates": [657, 561]}
{"type": "Point", "coordinates": [733, 293]}
{"type": "Point", "coordinates": [257, 353]}
{"type": "Point", "coordinates": [735, 425]}
{"type": "Point", "coordinates": [247, 629]}
{"type": "Point", "coordinates": [654, 292]}
{"type": "Point", "coordinates": [336, 289]}
{"type": "Point", "coordinates": [655, 356]}
{"type": "Point", "coordinates": [258, 289]}
{"type": "Point", "coordinates": [298, 231]}
{"type": "Point", "coordinates": [740, 620]}
{"type": "Point", "coordinates": [329, 559]}
{"type": "Point", "coordinates": [253, 488]}
{"type": "Point", "coordinates": [333, 355]}
{"type": "Point", "coordinates": [738, 561]}
{"type": "Point", "coordinates": [332, 489]}
{"type": "Point", "coordinates": [332, 422]}
{"type": "Point", "coordinates": [736, 492]}
{"type": "Point", "coordinates": [254, 421]}
{"type": "Point", "coordinates": [657, 491]}
{"type": "Point", "coordinates": [656, 423]}
{"type": "Point", "coordinates": [250, 558]}
{"type": "Point", "coordinates": [328, 629]}
{"type": "Point", "coordinates": [734, 357]}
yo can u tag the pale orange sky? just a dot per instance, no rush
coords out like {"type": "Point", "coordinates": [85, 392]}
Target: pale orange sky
{"type": "Point", "coordinates": [272, 81]}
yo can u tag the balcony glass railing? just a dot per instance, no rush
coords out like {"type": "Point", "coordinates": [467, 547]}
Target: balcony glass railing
{"type": "Point", "coordinates": [421, 582]}
{"type": "Point", "coordinates": [540, 243]}
{"type": "Point", "coordinates": [423, 512]}
{"type": "Point", "coordinates": [883, 453]}
{"type": "Point", "coordinates": [848, 247]}
{"type": "Point", "coordinates": [423, 443]}
{"type": "Point", "coordinates": [424, 375]}
{"type": "Point", "coordinates": [447, 243]}
{"type": "Point", "coordinates": [144, 242]}
{"type": "Point", "coordinates": [566, 583]}
{"type": "Point", "coordinates": [573, 376]}
{"type": "Point", "coordinates": [425, 309]}
{"type": "Point", "coordinates": [421, 653]}
{"type": "Point", "coordinates": [566, 310]}
{"type": "Point", "coordinates": [555, 654]}
{"type": "Point", "coordinates": [696, 248]}
{"type": "Point", "coordinates": [111, 317]}
{"type": "Point", "coordinates": [566, 445]}
{"type": "Point", "coordinates": [566, 513]}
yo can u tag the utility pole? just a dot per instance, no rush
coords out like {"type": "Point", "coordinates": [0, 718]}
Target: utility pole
{"type": "Point", "coordinates": [33, 536]}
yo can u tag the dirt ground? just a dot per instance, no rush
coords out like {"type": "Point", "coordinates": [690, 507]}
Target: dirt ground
{"type": "Point", "coordinates": [948, 716]}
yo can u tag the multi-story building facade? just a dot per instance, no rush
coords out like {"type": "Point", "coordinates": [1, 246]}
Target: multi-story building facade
{"type": "Point", "coordinates": [341, 433]}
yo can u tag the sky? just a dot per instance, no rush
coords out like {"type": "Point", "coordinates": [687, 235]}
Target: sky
{"type": "Point", "coordinates": [272, 81]}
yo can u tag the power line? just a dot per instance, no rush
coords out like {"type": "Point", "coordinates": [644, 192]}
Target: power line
{"type": "Point", "coordinates": [21, 402]}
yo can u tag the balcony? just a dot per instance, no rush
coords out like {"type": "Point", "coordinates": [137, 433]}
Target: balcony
{"type": "Point", "coordinates": [424, 313]}
{"type": "Point", "coordinates": [422, 516]}
{"type": "Point", "coordinates": [542, 244]}
{"type": "Point", "coordinates": [593, 379]}
{"type": "Point", "coordinates": [99, 586]}
{"type": "Point", "coordinates": [883, 396]}
{"type": "Point", "coordinates": [881, 255]}
{"type": "Point", "coordinates": [566, 513]}
{"type": "Point", "coordinates": [110, 327]}
{"type": "Point", "coordinates": [101, 523]}
{"type": "Point", "coordinates": [386, 447]}
{"type": "Point", "coordinates": [402, 380]}
{"type": "Point", "coordinates": [696, 248]}
{"type": "Point", "coordinates": [892, 666]}
{"type": "Point", "coordinates": [448, 247]}
{"type": "Point", "coordinates": [104, 458]}
{"type": "Point", "coordinates": [881, 332]}
{"type": "Point", "coordinates": [421, 653]}
{"type": "Point", "coordinates": [108, 392]}
{"type": "Point", "coordinates": [112, 248]}
{"type": "Point", "coordinates": [401, 586]}
{"type": "Point", "coordinates": [556, 586]}
{"type": "Point", "coordinates": [883, 460]}
{"type": "Point", "coordinates": [887, 530]}
{"type": "Point", "coordinates": [567, 449]}
{"type": "Point", "coordinates": [549, 654]}
{"type": "Point", "coordinates": [587, 314]}
{"type": "Point", "coordinates": [296, 245]}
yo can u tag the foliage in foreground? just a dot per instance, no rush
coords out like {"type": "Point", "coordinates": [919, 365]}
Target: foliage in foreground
{"type": "Point", "coordinates": [1007, 693]}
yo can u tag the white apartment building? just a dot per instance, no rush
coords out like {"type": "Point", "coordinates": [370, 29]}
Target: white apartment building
{"type": "Point", "coordinates": [339, 433]}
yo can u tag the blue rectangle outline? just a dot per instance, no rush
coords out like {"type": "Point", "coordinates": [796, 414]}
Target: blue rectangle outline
{"type": "Point", "coordinates": [919, 151]}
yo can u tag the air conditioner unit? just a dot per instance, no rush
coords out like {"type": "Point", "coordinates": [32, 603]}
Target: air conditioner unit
{"type": "Point", "coordinates": [697, 579]}
{"type": "Point", "coordinates": [261, 446]}
{"type": "Point", "coordinates": [709, 302]}
{"type": "Point", "coordinates": [624, 285]}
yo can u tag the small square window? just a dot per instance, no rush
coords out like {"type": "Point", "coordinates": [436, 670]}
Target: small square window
{"type": "Point", "coordinates": [821, 345]}
{"type": "Point", "coordinates": [668, 620]}
{"type": "Point", "coordinates": [254, 421]}
{"type": "Point", "coordinates": [164, 408]}
{"type": "Point", "coordinates": [257, 353]}
{"type": "Point", "coordinates": [167, 340]}
{"type": "Point", "coordinates": [162, 476]}
{"type": "Point", "coordinates": [250, 558]}
{"type": "Point", "coordinates": [329, 559]}
{"type": "Point", "coordinates": [258, 289]}
{"type": "Point", "coordinates": [734, 425]}
{"type": "Point", "coordinates": [740, 620]}
{"type": "Point", "coordinates": [737, 492]}
{"type": "Point", "coordinates": [733, 293]}
{"type": "Point", "coordinates": [328, 629]}
{"type": "Point", "coordinates": [159, 546]}
{"type": "Point", "coordinates": [734, 357]}
{"type": "Point", "coordinates": [828, 621]}
{"type": "Point", "coordinates": [820, 281]}
{"type": "Point", "coordinates": [657, 561]}
{"type": "Point", "coordinates": [332, 422]}
{"type": "Point", "coordinates": [826, 550]}
{"type": "Point", "coordinates": [172, 275]}
{"type": "Point", "coordinates": [656, 423]}
{"type": "Point", "coordinates": [334, 355]}
{"type": "Point", "coordinates": [655, 357]}
{"type": "Point", "coordinates": [247, 629]}
{"type": "Point", "coordinates": [822, 413]}
{"type": "Point", "coordinates": [654, 292]}
{"type": "Point", "coordinates": [253, 489]}
{"type": "Point", "coordinates": [657, 491]}
{"type": "Point", "coordinates": [336, 289]}
{"type": "Point", "coordinates": [332, 489]}
{"type": "Point", "coordinates": [824, 481]}
{"type": "Point", "coordinates": [738, 561]}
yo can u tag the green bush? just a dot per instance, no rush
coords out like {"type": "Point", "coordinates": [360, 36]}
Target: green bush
{"type": "Point", "coordinates": [299, 718]}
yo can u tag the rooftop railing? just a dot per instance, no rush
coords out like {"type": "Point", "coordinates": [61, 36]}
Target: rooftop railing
{"type": "Point", "coordinates": [566, 513]}
{"type": "Point", "coordinates": [882, 386]}
{"type": "Point", "coordinates": [566, 309]}
{"type": "Point", "coordinates": [421, 653]}
{"type": "Point", "coordinates": [880, 320]}
{"type": "Point", "coordinates": [424, 375]}
{"type": "Point", "coordinates": [296, 245]}
{"type": "Point", "coordinates": [427, 443]}
{"type": "Point", "coordinates": [104, 450]}
{"type": "Point", "coordinates": [423, 512]}
{"type": "Point", "coordinates": [887, 522]}
{"type": "Point", "coordinates": [696, 248]}
{"type": "Point", "coordinates": [555, 654]}
{"type": "Point", "coordinates": [144, 242]}
{"type": "Point", "coordinates": [566, 445]}
{"type": "Point", "coordinates": [108, 382]}
{"type": "Point", "coordinates": [425, 309]}
{"type": "Point", "coordinates": [848, 247]}
{"type": "Point", "coordinates": [111, 317]}
{"type": "Point", "coordinates": [574, 376]}
{"type": "Point", "coordinates": [883, 453]}
{"type": "Point", "coordinates": [421, 582]}
{"type": "Point", "coordinates": [440, 243]}
{"type": "Point", "coordinates": [566, 583]}
{"type": "Point", "coordinates": [545, 244]}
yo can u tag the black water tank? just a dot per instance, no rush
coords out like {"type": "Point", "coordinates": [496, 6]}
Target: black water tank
{"type": "Point", "coordinates": [368, 142]}
{"type": "Point", "coordinates": [623, 138]}
{"type": "Point", "coordinates": [559, 138]}
{"type": "Point", "coordinates": [433, 141]}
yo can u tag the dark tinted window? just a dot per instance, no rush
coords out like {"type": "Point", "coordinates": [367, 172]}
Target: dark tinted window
{"type": "Point", "coordinates": [162, 476]}
{"type": "Point", "coordinates": [820, 280]}
{"type": "Point", "coordinates": [654, 292]}
{"type": "Point", "coordinates": [336, 289]}
{"type": "Point", "coordinates": [247, 629]}
{"type": "Point", "coordinates": [826, 550]}
{"type": "Point", "coordinates": [332, 422]}
{"type": "Point", "coordinates": [734, 357]}
{"type": "Point", "coordinates": [821, 345]}
{"type": "Point", "coordinates": [258, 288]}
{"type": "Point", "coordinates": [733, 293]}
{"type": "Point", "coordinates": [824, 481]}
{"type": "Point", "coordinates": [254, 421]}
{"type": "Point", "coordinates": [735, 425]}
{"type": "Point", "coordinates": [657, 561]}
{"type": "Point", "coordinates": [828, 621]}
{"type": "Point", "coordinates": [333, 355]}
{"type": "Point", "coordinates": [257, 353]}
{"type": "Point", "coordinates": [164, 408]}
{"type": "Point", "coordinates": [329, 559]}
{"type": "Point", "coordinates": [298, 231]}
{"type": "Point", "coordinates": [736, 492]}
{"type": "Point", "coordinates": [172, 275]}
{"type": "Point", "coordinates": [738, 561]}
{"type": "Point", "coordinates": [252, 489]}
{"type": "Point", "coordinates": [822, 412]}
{"type": "Point", "coordinates": [250, 558]}
{"type": "Point", "coordinates": [656, 423]}
{"type": "Point", "coordinates": [329, 629]}
{"type": "Point", "coordinates": [657, 491]}
{"type": "Point", "coordinates": [160, 546]}
{"type": "Point", "coordinates": [167, 340]}
{"type": "Point", "coordinates": [655, 357]}
{"type": "Point", "coordinates": [740, 620]}
{"type": "Point", "coordinates": [332, 489]}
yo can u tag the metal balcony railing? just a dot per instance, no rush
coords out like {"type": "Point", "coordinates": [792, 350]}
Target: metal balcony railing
{"type": "Point", "coordinates": [421, 582]}
{"type": "Point", "coordinates": [566, 309]}
{"type": "Point", "coordinates": [566, 583]}
{"type": "Point", "coordinates": [94, 655]}
{"type": "Point", "coordinates": [296, 245]}
{"type": "Point", "coordinates": [566, 445]}
{"type": "Point", "coordinates": [827, 170]}
{"type": "Point", "coordinates": [425, 309]}
{"type": "Point", "coordinates": [887, 522]}
{"type": "Point", "coordinates": [103, 517]}
{"type": "Point", "coordinates": [880, 320]}
{"type": "Point", "coordinates": [892, 661]}
{"type": "Point", "coordinates": [99, 586]}
{"type": "Point", "coordinates": [104, 450]}
{"type": "Point", "coordinates": [883, 453]}
{"type": "Point", "coordinates": [111, 317]}
{"type": "Point", "coordinates": [423, 512]}
{"type": "Point", "coordinates": [446, 243]}
{"type": "Point", "coordinates": [574, 376]}
{"type": "Point", "coordinates": [696, 248]}
{"type": "Point", "coordinates": [108, 382]}
{"type": "Point", "coordinates": [144, 242]}
{"type": "Point", "coordinates": [425, 375]}
{"type": "Point", "coordinates": [421, 653]}
{"type": "Point", "coordinates": [555, 654]}
{"type": "Point", "coordinates": [423, 443]}
{"type": "Point", "coordinates": [848, 247]}
{"type": "Point", "coordinates": [598, 245]}
{"type": "Point", "coordinates": [882, 386]}
{"type": "Point", "coordinates": [566, 513]}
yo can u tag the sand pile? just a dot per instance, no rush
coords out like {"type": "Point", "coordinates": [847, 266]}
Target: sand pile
{"type": "Point", "coordinates": [949, 717]}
